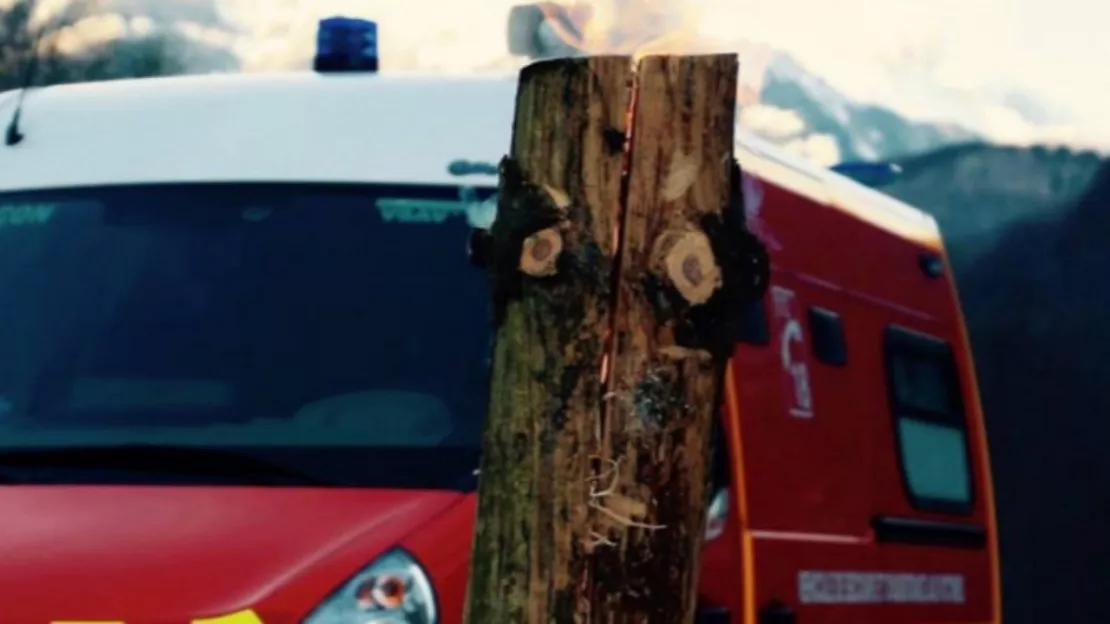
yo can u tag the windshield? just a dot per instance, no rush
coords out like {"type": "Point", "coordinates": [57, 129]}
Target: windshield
{"type": "Point", "coordinates": [337, 330]}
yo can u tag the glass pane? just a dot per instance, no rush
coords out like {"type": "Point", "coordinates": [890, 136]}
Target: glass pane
{"type": "Point", "coordinates": [935, 460]}
{"type": "Point", "coordinates": [332, 320]}
{"type": "Point", "coordinates": [924, 383]}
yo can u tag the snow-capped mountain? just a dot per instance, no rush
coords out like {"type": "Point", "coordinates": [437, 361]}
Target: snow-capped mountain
{"type": "Point", "coordinates": [803, 113]}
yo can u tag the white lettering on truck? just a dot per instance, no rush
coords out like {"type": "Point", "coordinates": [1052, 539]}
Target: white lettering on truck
{"type": "Point", "coordinates": [12, 215]}
{"type": "Point", "coordinates": [879, 587]}
{"type": "Point", "coordinates": [792, 346]}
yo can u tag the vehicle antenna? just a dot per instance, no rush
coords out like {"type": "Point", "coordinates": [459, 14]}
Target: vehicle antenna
{"type": "Point", "coordinates": [13, 136]}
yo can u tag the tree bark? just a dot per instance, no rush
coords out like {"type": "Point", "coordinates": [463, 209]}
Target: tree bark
{"type": "Point", "coordinates": [667, 360]}
{"type": "Point", "coordinates": [592, 489]}
{"type": "Point", "coordinates": [562, 182]}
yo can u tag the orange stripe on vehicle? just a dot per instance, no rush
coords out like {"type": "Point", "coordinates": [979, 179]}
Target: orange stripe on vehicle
{"type": "Point", "coordinates": [732, 403]}
{"type": "Point", "coordinates": [984, 453]}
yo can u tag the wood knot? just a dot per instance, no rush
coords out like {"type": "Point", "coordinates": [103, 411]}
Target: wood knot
{"type": "Point", "coordinates": [691, 269]}
{"type": "Point", "coordinates": [685, 259]}
{"type": "Point", "coordinates": [681, 175]}
{"type": "Point", "coordinates": [558, 197]}
{"type": "Point", "coordinates": [540, 254]}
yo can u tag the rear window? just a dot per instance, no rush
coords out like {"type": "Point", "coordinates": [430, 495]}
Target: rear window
{"type": "Point", "coordinates": [331, 320]}
{"type": "Point", "coordinates": [930, 425]}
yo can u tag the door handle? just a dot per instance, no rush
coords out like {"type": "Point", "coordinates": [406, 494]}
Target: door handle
{"type": "Point", "coordinates": [776, 612]}
{"type": "Point", "coordinates": [889, 529]}
{"type": "Point", "coordinates": [713, 615]}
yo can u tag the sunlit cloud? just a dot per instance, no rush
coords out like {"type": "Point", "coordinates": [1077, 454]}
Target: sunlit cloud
{"type": "Point", "coordinates": [1017, 71]}
{"type": "Point", "coordinates": [93, 30]}
{"type": "Point", "coordinates": [943, 60]}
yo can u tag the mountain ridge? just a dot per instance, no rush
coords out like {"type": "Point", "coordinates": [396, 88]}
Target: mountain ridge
{"type": "Point", "coordinates": [861, 131]}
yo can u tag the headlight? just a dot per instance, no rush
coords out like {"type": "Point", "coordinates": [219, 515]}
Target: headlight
{"type": "Point", "coordinates": [717, 516]}
{"type": "Point", "coordinates": [392, 590]}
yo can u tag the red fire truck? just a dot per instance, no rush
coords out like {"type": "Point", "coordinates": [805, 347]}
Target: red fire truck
{"type": "Point", "coordinates": [245, 368]}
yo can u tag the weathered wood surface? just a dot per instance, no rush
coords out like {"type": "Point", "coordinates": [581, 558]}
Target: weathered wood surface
{"type": "Point", "coordinates": [609, 298]}
{"type": "Point", "coordinates": [666, 369]}
{"type": "Point", "coordinates": [564, 177]}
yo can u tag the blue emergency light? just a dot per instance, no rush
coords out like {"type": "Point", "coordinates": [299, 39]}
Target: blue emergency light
{"type": "Point", "coordinates": [873, 174]}
{"type": "Point", "coordinates": [346, 44]}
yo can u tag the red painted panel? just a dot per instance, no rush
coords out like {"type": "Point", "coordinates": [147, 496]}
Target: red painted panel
{"type": "Point", "coordinates": [818, 440]}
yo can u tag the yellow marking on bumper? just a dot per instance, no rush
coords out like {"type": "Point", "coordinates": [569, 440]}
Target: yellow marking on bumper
{"type": "Point", "coordinates": [242, 617]}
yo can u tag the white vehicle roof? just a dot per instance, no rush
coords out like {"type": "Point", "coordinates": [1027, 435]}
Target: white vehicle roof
{"type": "Point", "coordinates": [288, 127]}
{"type": "Point", "coordinates": [308, 127]}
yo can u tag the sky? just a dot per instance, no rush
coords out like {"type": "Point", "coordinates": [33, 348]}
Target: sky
{"type": "Point", "coordinates": [994, 57]}
{"type": "Point", "coordinates": [1020, 71]}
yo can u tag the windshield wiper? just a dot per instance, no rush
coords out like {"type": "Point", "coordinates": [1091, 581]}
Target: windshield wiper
{"type": "Point", "coordinates": [169, 459]}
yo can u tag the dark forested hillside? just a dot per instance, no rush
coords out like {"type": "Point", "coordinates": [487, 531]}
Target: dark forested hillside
{"type": "Point", "coordinates": [1042, 327]}
{"type": "Point", "coordinates": [1029, 230]}
{"type": "Point", "coordinates": [975, 189]}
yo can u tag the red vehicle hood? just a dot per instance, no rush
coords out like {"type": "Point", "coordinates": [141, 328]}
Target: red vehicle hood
{"type": "Point", "coordinates": [162, 554]}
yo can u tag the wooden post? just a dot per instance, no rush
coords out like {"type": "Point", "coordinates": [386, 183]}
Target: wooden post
{"type": "Point", "coordinates": [608, 295]}
{"type": "Point", "coordinates": [675, 259]}
{"type": "Point", "coordinates": [560, 192]}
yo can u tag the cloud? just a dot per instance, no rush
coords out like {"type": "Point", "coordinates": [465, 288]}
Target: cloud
{"type": "Point", "coordinates": [943, 60]}
{"type": "Point", "coordinates": [92, 30]}
{"type": "Point", "coordinates": [201, 12]}
{"type": "Point", "coordinates": [820, 149]}
{"type": "Point", "coordinates": [1017, 70]}
{"type": "Point", "coordinates": [948, 60]}
{"type": "Point", "coordinates": [451, 36]}
{"type": "Point", "coordinates": [772, 122]}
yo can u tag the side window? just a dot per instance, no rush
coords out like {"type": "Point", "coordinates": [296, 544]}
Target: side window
{"type": "Point", "coordinates": [720, 473]}
{"type": "Point", "coordinates": [930, 425]}
{"type": "Point", "coordinates": [827, 333]}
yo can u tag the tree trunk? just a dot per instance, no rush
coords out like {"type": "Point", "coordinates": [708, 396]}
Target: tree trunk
{"type": "Point", "coordinates": [592, 490]}
{"type": "Point", "coordinates": [667, 360]}
{"type": "Point", "coordinates": [563, 183]}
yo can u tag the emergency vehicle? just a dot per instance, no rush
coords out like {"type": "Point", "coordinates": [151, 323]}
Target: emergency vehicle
{"type": "Point", "coordinates": [245, 368]}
